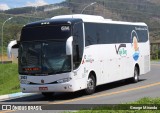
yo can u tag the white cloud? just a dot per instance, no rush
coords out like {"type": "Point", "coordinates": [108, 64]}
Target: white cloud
{"type": "Point", "coordinates": [37, 3]}
{"type": "Point", "coordinates": [4, 7]}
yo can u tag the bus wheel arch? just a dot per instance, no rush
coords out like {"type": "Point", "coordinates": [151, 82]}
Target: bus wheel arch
{"type": "Point", "coordinates": [135, 78]}
{"type": "Point", "coordinates": [94, 74]}
{"type": "Point", "coordinates": [91, 83]}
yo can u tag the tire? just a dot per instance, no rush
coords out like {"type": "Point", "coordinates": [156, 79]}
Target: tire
{"type": "Point", "coordinates": [91, 85]}
{"type": "Point", "coordinates": [48, 94]}
{"type": "Point", "coordinates": [135, 79]}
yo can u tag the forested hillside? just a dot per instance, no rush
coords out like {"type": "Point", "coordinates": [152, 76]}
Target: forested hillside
{"type": "Point", "coordinates": [147, 11]}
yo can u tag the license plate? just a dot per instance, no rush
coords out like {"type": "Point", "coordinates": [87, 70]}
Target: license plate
{"type": "Point", "coordinates": [43, 88]}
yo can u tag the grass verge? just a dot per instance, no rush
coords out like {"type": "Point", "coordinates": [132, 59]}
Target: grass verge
{"type": "Point", "coordinates": [116, 109]}
{"type": "Point", "coordinates": [9, 82]}
{"type": "Point", "coordinates": [155, 60]}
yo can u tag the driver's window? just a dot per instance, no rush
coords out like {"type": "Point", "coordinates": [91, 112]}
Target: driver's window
{"type": "Point", "coordinates": [78, 44]}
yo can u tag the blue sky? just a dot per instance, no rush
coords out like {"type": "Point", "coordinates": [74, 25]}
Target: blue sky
{"type": "Point", "coordinates": [7, 4]}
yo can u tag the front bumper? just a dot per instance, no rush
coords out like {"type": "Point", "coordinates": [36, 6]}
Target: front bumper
{"type": "Point", "coordinates": [71, 86]}
{"type": "Point", "coordinates": [61, 87]}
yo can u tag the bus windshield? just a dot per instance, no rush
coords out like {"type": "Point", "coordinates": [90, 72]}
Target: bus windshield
{"type": "Point", "coordinates": [42, 51]}
{"type": "Point", "coordinates": [43, 57]}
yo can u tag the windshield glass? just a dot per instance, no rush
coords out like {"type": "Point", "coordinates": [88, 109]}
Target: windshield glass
{"type": "Point", "coordinates": [43, 57]}
{"type": "Point", "coordinates": [42, 49]}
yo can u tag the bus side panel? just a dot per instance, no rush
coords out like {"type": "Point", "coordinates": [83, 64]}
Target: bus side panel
{"type": "Point", "coordinates": [108, 66]}
{"type": "Point", "coordinates": [91, 62]}
{"type": "Point", "coordinates": [144, 60]}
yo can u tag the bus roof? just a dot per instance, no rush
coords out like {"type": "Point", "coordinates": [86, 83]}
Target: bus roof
{"type": "Point", "coordinates": [97, 19]}
{"type": "Point", "coordinates": [54, 21]}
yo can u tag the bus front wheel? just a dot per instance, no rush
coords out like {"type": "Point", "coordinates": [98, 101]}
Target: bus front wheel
{"type": "Point", "coordinates": [91, 85]}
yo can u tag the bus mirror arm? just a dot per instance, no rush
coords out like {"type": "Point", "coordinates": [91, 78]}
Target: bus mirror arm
{"type": "Point", "coordinates": [69, 46]}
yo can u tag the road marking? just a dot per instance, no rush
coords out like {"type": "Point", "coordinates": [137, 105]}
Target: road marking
{"type": "Point", "coordinates": [7, 111]}
{"type": "Point", "coordinates": [108, 94]}
{"type": "Point", "coordinates": [100, 95]}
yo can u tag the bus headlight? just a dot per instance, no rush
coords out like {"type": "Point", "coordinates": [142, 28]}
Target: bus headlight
{"type": "Point", "coordinates": [64, 80]}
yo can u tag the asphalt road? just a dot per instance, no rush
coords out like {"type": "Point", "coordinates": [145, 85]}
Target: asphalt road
{"type": "Point", "coordinates": [113, 93]}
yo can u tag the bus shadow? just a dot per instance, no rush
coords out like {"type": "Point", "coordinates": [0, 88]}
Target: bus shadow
{"type": "Point", "coordinates": [113, 85]}
{"type": "Point", "coordinates": [68, 96]}
{"type": "Point", "coordinates": [99, 89]}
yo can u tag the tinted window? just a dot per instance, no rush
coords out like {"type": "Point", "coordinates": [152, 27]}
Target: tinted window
{"type": "Point", "coordinates": [78, 44]}
{"type": "Point", "coordinates": [96, 33]}
{"type": "Point", "coordinates": [90, 31]}
{"type": "Point", "coordinates": [43, 57]}
{"type": "Point", "coordinates": [122, 33]}
{"type": "Point", "coordinates": [142, 33]}
{"type": "Point", "coordinates": [46, 32]}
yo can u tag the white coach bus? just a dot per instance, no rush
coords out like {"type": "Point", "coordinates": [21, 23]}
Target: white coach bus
{"type": "Point", "coordinates": [74, 52]}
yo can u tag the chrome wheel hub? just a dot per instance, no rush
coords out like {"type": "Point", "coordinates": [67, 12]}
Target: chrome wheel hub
{"type": "Point", "coordinates": [90, 83]}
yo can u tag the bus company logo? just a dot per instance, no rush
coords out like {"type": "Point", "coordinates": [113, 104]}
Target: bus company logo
{"type": "Point", "coordinates": [65, 28]}
{"type": "Point", "coordinates": [42, 81]}
{"type": "Point", "coordinates": [134, 43]}
{"type": "Point", "coordinates": [141, 28]}
{"type": "Point", "coordinates": [121, 50]}
{"type": "Point", "coordinates": [90, 60]}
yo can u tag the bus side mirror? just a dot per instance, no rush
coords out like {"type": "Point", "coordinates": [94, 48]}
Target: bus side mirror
{"type": "Point", "coordinates": [69, 46]}
{"type": "Point", "coordinates": [9, 48]}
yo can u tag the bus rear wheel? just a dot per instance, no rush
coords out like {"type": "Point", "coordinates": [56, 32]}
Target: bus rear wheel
{"type": "Point", "coordinates": [91, 85]}
{"type": "Point", "coordinates": [48, 94]}
{"type": "Point", "coordinates": [135, 79]}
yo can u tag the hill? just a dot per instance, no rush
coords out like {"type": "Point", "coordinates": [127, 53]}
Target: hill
{"type": "Point", "coordinates": [122, 10]}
